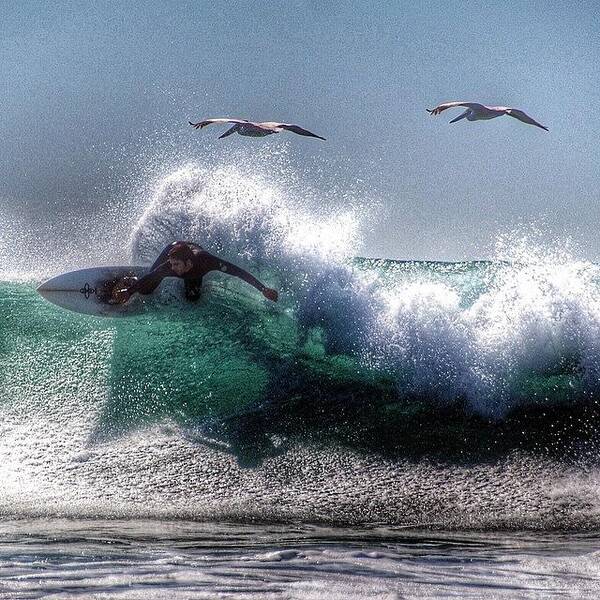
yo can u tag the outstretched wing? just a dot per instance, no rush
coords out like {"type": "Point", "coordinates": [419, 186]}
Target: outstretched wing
{"type": "Point", "coordinates": [206, 122]}
{"type": "Point", "coordinates": [299, 130]}
{"type": "Point", "coordinates": [442, 107]}
{"type": "Point", "coordinates": [524, 117]}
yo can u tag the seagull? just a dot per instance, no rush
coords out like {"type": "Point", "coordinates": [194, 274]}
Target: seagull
{"type": "Point", "coordinates": [480, 112]}
{"type": "Point", "coordinates": [251, 129]}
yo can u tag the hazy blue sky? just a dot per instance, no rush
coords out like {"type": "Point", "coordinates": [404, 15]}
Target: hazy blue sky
{"type": "Point", "coordinates": [88, 85]}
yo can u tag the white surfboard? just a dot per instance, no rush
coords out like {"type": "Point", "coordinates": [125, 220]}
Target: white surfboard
{"type": "Point", "coordinates": [85, 291]}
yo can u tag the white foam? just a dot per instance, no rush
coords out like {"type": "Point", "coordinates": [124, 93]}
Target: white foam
{"type": "Point", "coordinates": [534, 311]}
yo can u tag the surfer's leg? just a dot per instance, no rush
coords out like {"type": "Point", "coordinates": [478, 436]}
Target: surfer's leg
{"type": "Point", "coordinates": [193, 289]}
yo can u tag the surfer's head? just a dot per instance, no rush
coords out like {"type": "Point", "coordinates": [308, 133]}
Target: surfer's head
{"type": "Point", "coordinates": [180, 258]}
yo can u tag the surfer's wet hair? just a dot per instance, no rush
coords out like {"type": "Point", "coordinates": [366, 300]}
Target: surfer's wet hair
{"type": "Point", "coordinates": [181, 251]}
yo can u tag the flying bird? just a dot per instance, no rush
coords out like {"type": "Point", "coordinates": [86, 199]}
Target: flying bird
{"type": "Point", "coordinates": [480, 112]}
{"type": "Point", "coordinates": [251, 129]}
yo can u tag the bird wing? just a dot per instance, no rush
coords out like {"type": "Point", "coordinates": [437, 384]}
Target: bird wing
{"type": "Point", "coordinates": [524, 117]}
{"type": "Point", "coordinates": [299, 130]}
{"type": "Point", "coordinates": [441, 107]}
{"type": "Point", "coordinates": [201, 124]}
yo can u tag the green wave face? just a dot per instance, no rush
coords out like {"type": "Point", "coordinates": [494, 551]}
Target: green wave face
{"type": "Point", "coordinates": [234, 408]}
{"type": "Point", "coordinates": [233, 357]}
{"type": "Point", "coordinates": [219, 358]}
{"type": "Point", "coordinates": [209, 361]}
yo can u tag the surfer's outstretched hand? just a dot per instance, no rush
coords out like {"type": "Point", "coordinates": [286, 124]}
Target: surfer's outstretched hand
{"type": "Point", "coordinates": [270, 294]}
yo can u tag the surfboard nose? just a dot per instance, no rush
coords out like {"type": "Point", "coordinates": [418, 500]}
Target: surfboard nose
{"type": "Point", "coordinates": [47, 290]}
{"type": "Point", "coordinates": [82, 290]}
{"type": "Point", "coordinates": [46, 286]}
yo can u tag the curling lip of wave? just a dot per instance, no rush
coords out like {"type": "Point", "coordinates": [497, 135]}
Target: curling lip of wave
{"type": "Point", "coordinates": [482, 333]}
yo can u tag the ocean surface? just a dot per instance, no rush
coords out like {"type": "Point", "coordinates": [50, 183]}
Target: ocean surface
{"type": "Point", "coordinates": [160, 559]}
{"type": "Point", "coordinates": [389, 429]}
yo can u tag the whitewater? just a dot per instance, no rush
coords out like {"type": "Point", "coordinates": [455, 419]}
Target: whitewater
{"type": "Point", "coordinates": [384, 418]}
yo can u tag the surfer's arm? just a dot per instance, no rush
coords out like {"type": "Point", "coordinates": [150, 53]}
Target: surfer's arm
{"type": "Point", "coordinates": [149, 282]}
{"type": "Point", "coordinates": [231, 269]}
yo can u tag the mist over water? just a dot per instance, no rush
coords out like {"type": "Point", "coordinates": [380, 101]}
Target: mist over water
{"type": "Point", "coordinates": [410, 393]}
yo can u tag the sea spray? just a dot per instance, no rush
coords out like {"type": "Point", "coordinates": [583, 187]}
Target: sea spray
{"type": "Point", "coordinates": [413, 393]}
{"type": "Point", "coordinates": [473, 338]}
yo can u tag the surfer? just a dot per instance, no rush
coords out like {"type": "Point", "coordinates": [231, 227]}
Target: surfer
{"type": "Point", "coordinates": [189, 262]}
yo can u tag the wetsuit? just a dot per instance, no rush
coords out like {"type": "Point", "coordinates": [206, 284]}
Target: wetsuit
{"type": "Point", "coordinates": [202, 263]}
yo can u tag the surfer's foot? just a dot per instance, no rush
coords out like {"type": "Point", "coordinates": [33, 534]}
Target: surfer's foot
{"type": "Point", "coordinates": [119, 296]}
{"type": "Point", "coordinates": [120, 292]}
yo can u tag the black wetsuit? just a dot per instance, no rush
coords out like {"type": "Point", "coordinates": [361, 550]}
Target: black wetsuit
{"type": "Point", "coordinates": [202, 263]}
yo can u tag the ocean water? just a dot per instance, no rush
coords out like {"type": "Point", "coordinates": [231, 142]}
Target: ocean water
{"type": "Point", "coordinates": [158, 559]}
{"type": "Point", "coordinates": [389, 429]}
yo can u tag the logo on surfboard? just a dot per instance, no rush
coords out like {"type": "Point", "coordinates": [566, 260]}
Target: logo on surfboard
{"type": "Point", "coordinates": [87, 290]}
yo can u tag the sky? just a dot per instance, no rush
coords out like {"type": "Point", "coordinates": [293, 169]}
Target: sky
{"type": "Point", "coordinates": [88, 89]}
